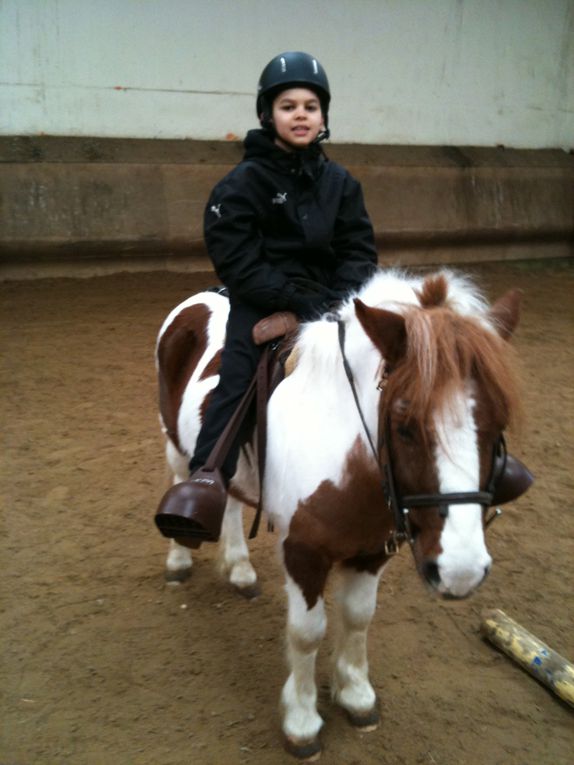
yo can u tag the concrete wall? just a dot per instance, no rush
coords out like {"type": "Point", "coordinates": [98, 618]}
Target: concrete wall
{"type": "Point", "coordinates": [440, 72]}
{"type": "Point", "coordinates": [114, 115]}
{"type": "Point", "coordinates": [90, 206]}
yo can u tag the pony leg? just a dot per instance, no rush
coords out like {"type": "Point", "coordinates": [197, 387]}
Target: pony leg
{"type": "Point", "coordinates": [234, 553]}
{"type": "Point", "coordinates": [305, 630]}
{"type": "Point", "coordinates": [351, 687]}
{"type": "Point", "coordinates": [178, 562]}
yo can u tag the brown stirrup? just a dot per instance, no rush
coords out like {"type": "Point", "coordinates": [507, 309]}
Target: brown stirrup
{"type": "Point", "coordinates": [192, 511]}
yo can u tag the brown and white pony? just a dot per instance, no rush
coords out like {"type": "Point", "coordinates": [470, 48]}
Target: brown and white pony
{"type": "Point", "coordinates": [434, 382]}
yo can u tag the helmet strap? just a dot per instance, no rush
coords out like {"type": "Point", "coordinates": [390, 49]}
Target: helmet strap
{"type": "Point", "coordinates": [323, 136]}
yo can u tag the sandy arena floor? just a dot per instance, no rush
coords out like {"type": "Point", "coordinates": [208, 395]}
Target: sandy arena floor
{"type": "Point", "coordinates": [105, 664]}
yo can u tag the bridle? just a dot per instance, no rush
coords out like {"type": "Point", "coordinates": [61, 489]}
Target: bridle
{"type": "Point", "coordinates": [508, 477]}
{"type": "Point", "coordinates": [400, 505]}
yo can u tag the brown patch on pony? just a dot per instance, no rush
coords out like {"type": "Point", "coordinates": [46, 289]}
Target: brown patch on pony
{"type": "Point", "coordinates": [427, 525]}
{"type": "Point", "coordinates": [212, 367]}
{"type": "Point", "coordinates": [338, 523]}
{"type": "Point", "coordinates": [181, 346]}
{"type": "Point", "coordinates": [367, 563]}
{"type": "Point", "coordinates": [308, 566]}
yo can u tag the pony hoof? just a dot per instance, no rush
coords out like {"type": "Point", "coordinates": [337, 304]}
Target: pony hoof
{"type": "Point", "coordinates": [365, 721]}
{"type": "Point", "coordinates": [177, 576]}
{"type": "Point", "coordinates": [309, 751]}
{"type": "Point", "coordinates": [249, 592]}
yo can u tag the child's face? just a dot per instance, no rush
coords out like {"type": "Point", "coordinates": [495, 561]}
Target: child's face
{"type": "Point", "coordinates": [297, 118]}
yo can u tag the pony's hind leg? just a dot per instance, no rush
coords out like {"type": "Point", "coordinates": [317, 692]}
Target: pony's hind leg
{"type": "Point", "coordinates": [178, 562]}
{"type": "Point", "coordinates": [305, 629]}
{"type": "Point", "coordinates": [357, 599]}
{"type": "Point", "coordinates": [234, 553]}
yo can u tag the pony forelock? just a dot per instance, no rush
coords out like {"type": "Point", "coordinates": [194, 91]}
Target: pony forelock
{"type": "Point", "coordinates": [445, 352]}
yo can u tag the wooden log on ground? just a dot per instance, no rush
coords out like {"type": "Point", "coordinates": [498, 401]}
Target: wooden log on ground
{"type": "Point", "coordinates": [541, 661]}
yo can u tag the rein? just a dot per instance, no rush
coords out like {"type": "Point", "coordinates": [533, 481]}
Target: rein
{"type": "Point", "coordinates": [401, 531]}
{"type": "Point", "coordinates": [400, 506]}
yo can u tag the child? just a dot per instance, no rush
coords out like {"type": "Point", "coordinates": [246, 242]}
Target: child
{"type": "Point", "coordinates": [287, 230]}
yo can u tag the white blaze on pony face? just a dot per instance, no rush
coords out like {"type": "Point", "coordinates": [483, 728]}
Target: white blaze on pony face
{"type": "Point", "coordinates": [464, 560]}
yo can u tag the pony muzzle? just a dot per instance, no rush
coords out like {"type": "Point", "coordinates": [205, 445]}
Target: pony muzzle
{"type": "Point", "coordinates": [456, 582]}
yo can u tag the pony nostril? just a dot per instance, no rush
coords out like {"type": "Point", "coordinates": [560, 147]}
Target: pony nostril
{"type": "Point", "coordinates": [431, 573]}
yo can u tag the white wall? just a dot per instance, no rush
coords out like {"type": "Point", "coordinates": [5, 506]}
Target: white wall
{"type": "Point", "coordinates": [459, 72]}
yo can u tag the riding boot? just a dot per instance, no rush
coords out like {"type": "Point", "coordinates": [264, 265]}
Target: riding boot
{"type": "Point", "coordinates": [191, 512]}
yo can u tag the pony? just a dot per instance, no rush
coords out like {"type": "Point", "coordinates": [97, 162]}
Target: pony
{"type": "Point", "coordinates": [387, 430]}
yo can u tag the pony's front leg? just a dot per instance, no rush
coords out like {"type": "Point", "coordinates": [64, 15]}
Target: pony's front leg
{"type": "Point", "coordinates": [305, 630]}
{"type": "Point", "coordinates": [234, 553]}
{"type": "Point", "coordinates": [357, 599]}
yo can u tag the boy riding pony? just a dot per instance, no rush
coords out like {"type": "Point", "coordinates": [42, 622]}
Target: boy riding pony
{"type": "Point", "coordinates": [289, 236]}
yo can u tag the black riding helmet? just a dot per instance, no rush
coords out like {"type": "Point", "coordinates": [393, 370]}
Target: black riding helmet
{"type": "Point", "coordinates": [288, 70]}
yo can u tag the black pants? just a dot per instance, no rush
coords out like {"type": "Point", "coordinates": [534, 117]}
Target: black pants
{"type": "Point", "coordinates": [239, 360]}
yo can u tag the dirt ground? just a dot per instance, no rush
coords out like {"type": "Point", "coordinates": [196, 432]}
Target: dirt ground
{"type": "Point", "coordinates": [103, 663]}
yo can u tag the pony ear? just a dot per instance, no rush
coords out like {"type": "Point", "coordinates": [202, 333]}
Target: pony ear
{"type": "Point", "coordinates": [386, 330]}
{"type": "Point", "coordinates": [505, 313]}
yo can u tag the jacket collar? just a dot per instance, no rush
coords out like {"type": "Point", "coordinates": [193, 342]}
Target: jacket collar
{"type": "Point", "coordinates": [260, 147]}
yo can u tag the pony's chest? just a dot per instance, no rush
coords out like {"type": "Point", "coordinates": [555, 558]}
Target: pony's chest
{"type": "Point", "coordinates": [345, 519]}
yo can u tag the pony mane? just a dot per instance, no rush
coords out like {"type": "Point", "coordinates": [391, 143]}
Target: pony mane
{"type": "Point", "coordinates": [447, 348]}
{"type": "Point", "coordinates": [451, 340]}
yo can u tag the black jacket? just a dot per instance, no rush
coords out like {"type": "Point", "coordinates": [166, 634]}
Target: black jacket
{"type": "Point", "coordinates": [288, 230]}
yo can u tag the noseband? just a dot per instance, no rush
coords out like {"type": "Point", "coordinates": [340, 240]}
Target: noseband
{"type": "Point", "coordinates": [508, 478]}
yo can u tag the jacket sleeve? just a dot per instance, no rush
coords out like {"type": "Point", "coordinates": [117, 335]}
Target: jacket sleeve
{"type": "Point", "coordinates": [353, 241]}
{"type": "Point", "coordinates": [236, 248]}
